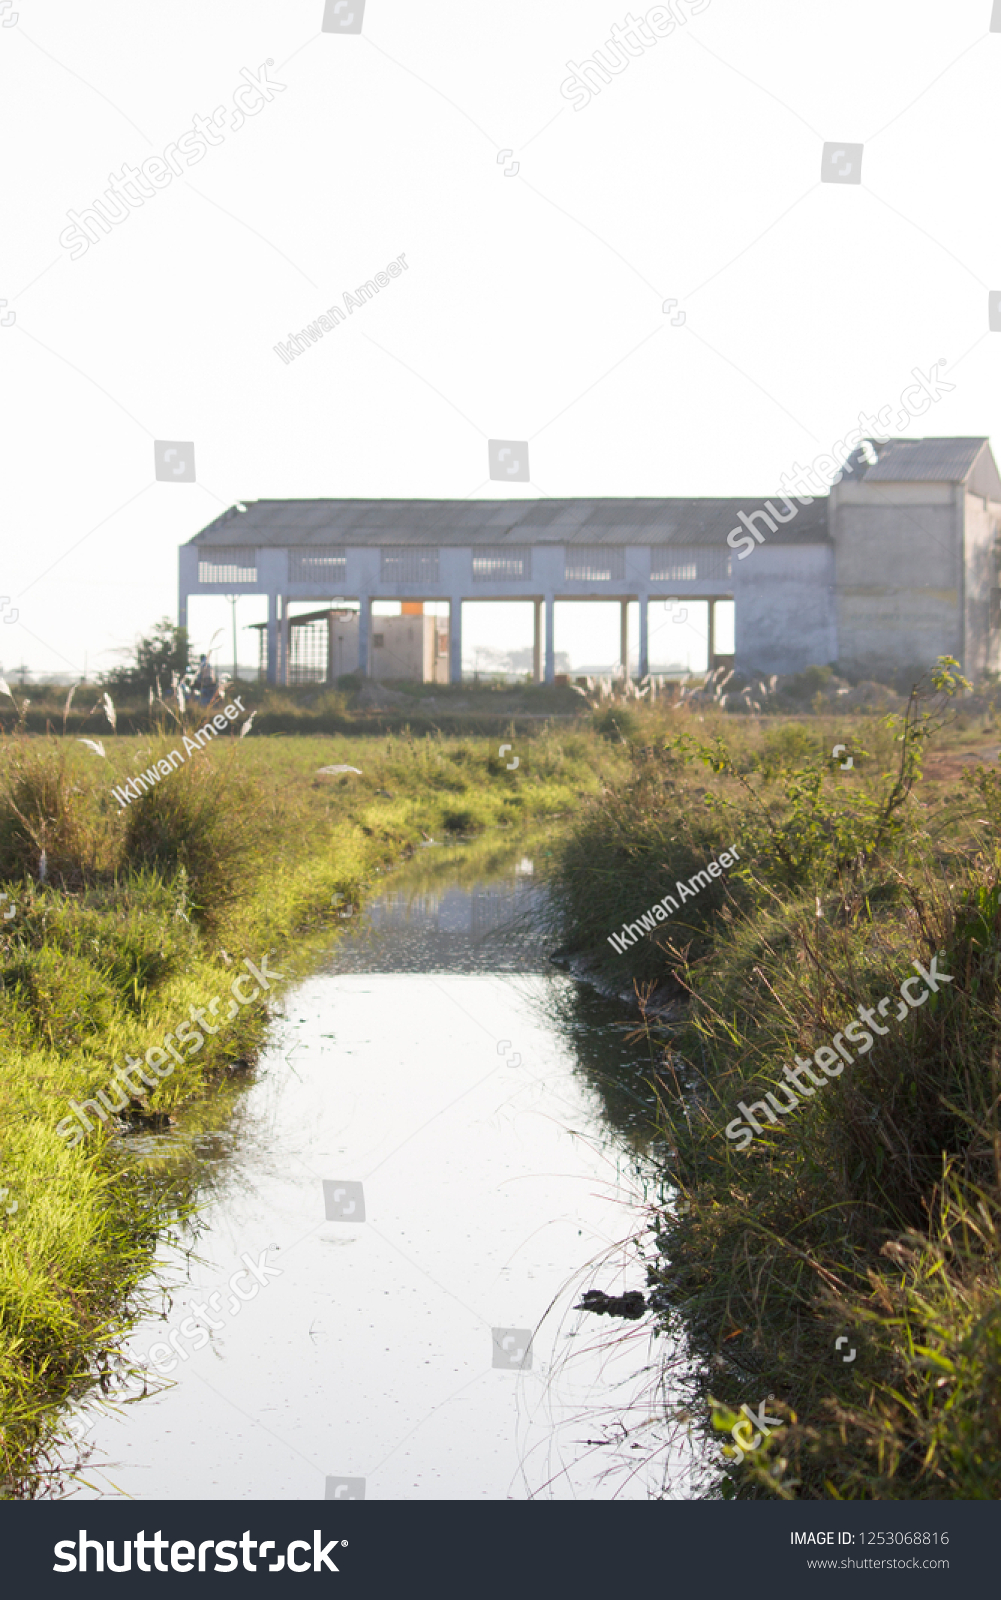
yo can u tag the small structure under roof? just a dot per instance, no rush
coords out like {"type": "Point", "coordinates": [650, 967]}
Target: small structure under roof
{"type": "Point", "coordinates": [897, 565]}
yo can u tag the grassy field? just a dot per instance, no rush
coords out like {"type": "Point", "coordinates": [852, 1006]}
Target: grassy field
{"type": "Point", "coordinates": [128, 922]}
{"type": "Point", "coordinates": [871, 1211]}
{"type": "Point", "coordinates": [353, 707]}
{"type": "Point", "coordinates": [867, 1208]}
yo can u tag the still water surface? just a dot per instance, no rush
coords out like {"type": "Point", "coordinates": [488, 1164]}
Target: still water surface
{"type": "Point", "coordinates": [494, 1115]}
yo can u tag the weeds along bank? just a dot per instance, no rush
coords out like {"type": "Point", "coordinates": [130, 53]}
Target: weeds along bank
{"type": "Point", "coordinates": [836, 1258]}
{"type": "Point", "coordinates": [142, 952]}
{"type": "Point", "coordinates": [357, 707]}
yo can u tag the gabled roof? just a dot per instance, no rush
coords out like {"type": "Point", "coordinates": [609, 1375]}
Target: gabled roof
{"type": "Point", "coordinates": [924, 461]}
{"type": "Point", "coordinates": [338, 523]}
{"type": "Point", "coordinates": [335, 524]}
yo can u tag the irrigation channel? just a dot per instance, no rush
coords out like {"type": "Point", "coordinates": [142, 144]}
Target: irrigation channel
{"type": "Point", "coordinates": [446, 1142]}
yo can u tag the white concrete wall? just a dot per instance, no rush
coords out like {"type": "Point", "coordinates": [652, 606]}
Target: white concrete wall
{"type": "Point", "coordinates": [784, 608]}
{"type": "Point", "coordinates": [983, 640]}
{"type": "Point", "coordinates": [345, 646]}
{"type": "Point", "coordinates": [900, 574]}
{"type": "Point", "coordinates": [436, 662]}
{"type": "Point", "coordinates": [397, 649]}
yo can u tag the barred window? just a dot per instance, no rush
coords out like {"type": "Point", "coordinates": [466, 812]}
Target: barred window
{"type": "Point", "coordinates": [587, 563]}
{"type": "Point", "coordinates": [316, 566]}
{"type": "Point", "coordinates": [228, 566]}
{"type": "Point", "coordinates": [409, 564]}
{"type": "Point", "coordinates": [501, 563]}
{"type": "Point", "coordinates": [678, 564]}
{"type": "Point", "coordinates": [307, 651]}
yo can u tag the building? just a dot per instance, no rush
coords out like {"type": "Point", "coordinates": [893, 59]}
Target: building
{"type": "Point", "coordinates": [322, 646]}
{"type": "Point", "coordinates": [897, 565]}
{"type": "Point", "coordinates": [916, 546]}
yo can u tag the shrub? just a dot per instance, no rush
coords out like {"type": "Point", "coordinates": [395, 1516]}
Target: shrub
{"type": "Point", "coordinates": [629, 848]}
{"type": "Point", "coordinates": [618, 724]}
{"type": "Point", "coordinates": [198, 823]}
{"type": "Point", "coordinates": [43, 812]}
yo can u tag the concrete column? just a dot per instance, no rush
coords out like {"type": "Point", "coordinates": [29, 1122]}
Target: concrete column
{"type": "Point", "coordinates": [284, 675]}
{"type": "Point", "coordinates": [364, 632]}
{"type": "Point", "coordinates": [712, 634]}
{"type": "Point", "coordinates": [644, 636]}
{"type": "Point", "coordinates": [272, 657]}
{"type": "Point", "coordinates": [537, 644]}
{"type": "Point", "coordinates": [966, 665]}
{"type": "Point", "coordinates": [550, 604]}
{"type": "Point", "coordinates": [624, 636]}
{"type": "Point", "coordinates": [455, 640]}
{"type": "Point", "coordinates": [331, 667]}
{"type": "Point", "coordinates": [182, 608]}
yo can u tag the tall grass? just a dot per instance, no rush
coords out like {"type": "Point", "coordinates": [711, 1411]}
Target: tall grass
{"type": "Point", "coordinates": [872, 1210]}
{"type": "Point", "coordinates": [205, 830]}
{"type": "Point", "coordinates": [124, 920]}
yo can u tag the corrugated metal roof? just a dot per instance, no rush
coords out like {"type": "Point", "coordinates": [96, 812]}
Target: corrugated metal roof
{"type": "Point", "coordinates": [326, 523]}
{"type": "Point", "coordinates": [925, 460]}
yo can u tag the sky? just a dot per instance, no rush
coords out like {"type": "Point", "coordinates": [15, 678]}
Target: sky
{"type": "Point", "coordinates": [650, 283]}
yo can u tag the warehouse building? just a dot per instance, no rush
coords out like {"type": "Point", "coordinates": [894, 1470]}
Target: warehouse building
{"type": "Point", "coordinates": [898, 564]}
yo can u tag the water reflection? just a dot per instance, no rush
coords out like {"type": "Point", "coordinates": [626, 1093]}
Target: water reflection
{"type": "Point", "coordinates": [495, 1120]}
{"type": "Point", "coordinates": [433, 926]}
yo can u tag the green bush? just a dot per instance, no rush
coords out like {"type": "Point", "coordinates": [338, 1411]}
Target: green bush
{"type": "Point", "coordinates": [200, 823]}
{"type": "Point", "coordinates": [619, 724]}
{"type": "Point", "coordinates": [629, 848]}
{"type": "Point", "coordinates": [45, 811]}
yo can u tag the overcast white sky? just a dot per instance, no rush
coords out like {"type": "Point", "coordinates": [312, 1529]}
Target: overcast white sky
{"type": "Point", "coordinates": [532, 307]}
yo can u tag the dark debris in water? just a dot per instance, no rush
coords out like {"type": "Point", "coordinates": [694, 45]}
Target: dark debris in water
{"type": "Point", "coordinates": [631, 1305]}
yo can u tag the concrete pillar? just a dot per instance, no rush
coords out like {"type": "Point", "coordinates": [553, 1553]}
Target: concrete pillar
{"type": "Point", "coordinates": [272, 657]}
{"type": "Point", "coordinates": [455, 640]}
{"type": "Point", "coordinates": [712, 634]}
{"type": "Point", "coordinates": [284, 674]}
{"type": "Point", "coordinates": [364, 632]}
{"type": "Point", "coordinates": [966, 665]}
{"type": "Point", "coordinates": [537, 644]}
{"type": "Point", "coordinates": [550, 604]}
{"type": "Point", "coordinates": [624, 636]}
{"type": "Point", "coordinates": [644, 636]}
{"type": "Point", "coordinates": [182, 608]}
{"type": "Point", "coordinates": [331, 667]}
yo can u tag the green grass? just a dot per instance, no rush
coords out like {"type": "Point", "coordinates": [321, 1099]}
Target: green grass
{"type": "Point", "coordinates": [873, 1209]}
{"type": "Point", "coordinates": [844, 1219]}
{"type": "Point", "coordinates": [144, 914]}
{"type": "Point", "coordinates": [487, 710]}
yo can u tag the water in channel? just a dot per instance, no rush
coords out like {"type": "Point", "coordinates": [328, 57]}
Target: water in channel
{"type": "Point", "coordinates": [446, 1141]}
